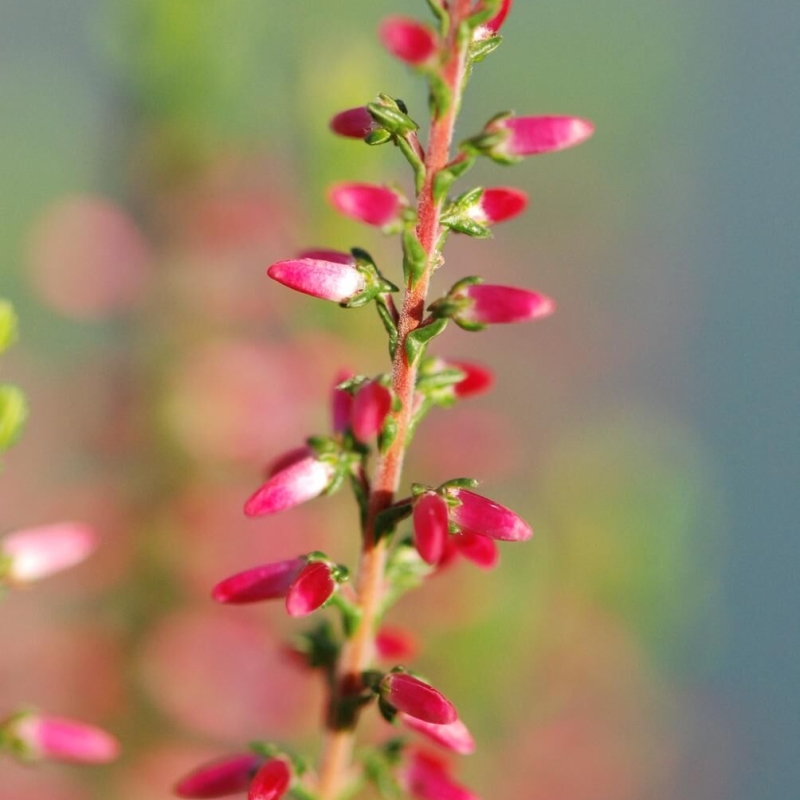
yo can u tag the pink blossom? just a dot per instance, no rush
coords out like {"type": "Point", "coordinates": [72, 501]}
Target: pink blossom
{"type": "Point", "coordinates": [366, 202]}
{"type": "Point", "coordinates": [477, 379]}
{"type": "Point", "coordinates": [371, 404]}
{"type": "Point", "coordinates": [430, 526]}
{"type": "Point", "coordinates": [311, 589]}
{"type": "Point", "coordinates": [408, 40]}
{"type": "Point", "coordinates": [300, 481]}
{"type": "Point", "coordinates": [271, 781]}
{"type": "Point", "coordinates": [220, 778]}
{"type": "Point", "coordinates": [454, 736]}
{"type": "Point", "coordinates": [492, 304]}
{"type": "Point", "coordinates": [284, 460]}
{"type": "Point", "coordinates": [267, 582]}
{"type": "Point", "coordinates": [499, 205]}
{"type": "Point", "coordinates": [480, 550]}
{"type": "Point", "coordinates": [327, 280]}
{"type": "Point", "coordinates": [528, 136]}
{"type": "Point", "coordinates": [57, 739]}
{"type": "Point", "coordinates": [355, 123]}
{"type": "Point", "coordinates": [326, 254]}
{"type": "Point", "coordinates": [395, 644]}
{"type": "Point", "coordinates": [341, 402]}
{"type": "Point", "coordinates": [426, 777]}
{"type": "Point", "coordinates": [36, 553]}
{"type": "Point", "coordinates": [477, 514]}
{"type": "Point", "coordinates": [417, 698]}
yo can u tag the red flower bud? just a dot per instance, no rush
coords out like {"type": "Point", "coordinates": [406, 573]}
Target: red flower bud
{"type": "Point", "coordinates": [499, 205]}
{"type": "Point", "coordinates": [366, 202]}
{"type": "Point", "coordinates": [477, 514]}
{"type": "Point", "coordinates": [477, 379]}
{"type": "Point", "coordinates": [454, 736]}
{"type": "Point", "coordinates": [371, 404]}
{"type": "Point", "coordinates": [311, 589]}
{"type": "Point", "coordinates": [300, 481]}
{"type": "Point", "coordinates": [528, 136]}
{"type": "Point", "coordinates": [271, 781]}
{"type": "Point", "coordinates": [341, 403]}
{"type": "Point", "coordinates": [430, 526]}
{"type": "Point", "coordinates": [56, 739]}
{"type": "Point", "coordinates": [325, 254]}
{"type": "Point", "coordinates": [355, 123]}
{"type": "Point", "coordinates": [34, 553]}
{"type": "Point", "coordinates": [408, 40]}
{"type": "Point", "coordinates": [220, 778]}
{"type": "Point", "coordinates": [327, 280]}
{"type": "Point", "coordinates": [494, 24]}
{"type": "Point", "coordinates": [501, 304]}
{"type": "Point", "coordinates": [426, 777]}
{"type": "Point", "coordinates": [267, 582]}
{"type": "Point", "coordinates": [417, 698]}
{"type": "Point", "coordinates": [480, 550]}
{"type": "Point", "coordinates": [395, 644]}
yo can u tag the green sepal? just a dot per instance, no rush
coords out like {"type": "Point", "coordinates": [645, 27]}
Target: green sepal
{"type": "Point", "coordinates": [415, 259]}
{"type": "Point", "coordinates": [388, 433]}
{"type": "Point", "coordinates": [440, 95]}
{"type": "Point", "coordinates": [377, 137]}
{"type": "Point", "coordinates": [8, 325]}
{"type": "Point", "coordinates": [388, 711]}
{"type": "Point", "coordinates": [483, 47]}
{"type": "Point", "coordinates": [447, 176]}
{"type": "Point", "coordinates": [13, 413]}
{"type": "Point", "coordinates": [464, 224]}
{"type": "Point", "coordinates": [457, 483]}
{"type": "Point", "coordinates": [387, 520]}
{"type": "Point", "coordinates": [265, 749]}
{"type": "Point", "coordinates": [385, 313]}
{"type": "Point", "coordinates": [389, 115]}
{"type": "Point", "coordinates": [419, 488]}
{"type": "Point", "coordinates": [417, 341]}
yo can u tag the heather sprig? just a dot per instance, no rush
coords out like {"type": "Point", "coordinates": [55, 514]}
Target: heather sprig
{"type": "Point", "coordinates": [405, 540]}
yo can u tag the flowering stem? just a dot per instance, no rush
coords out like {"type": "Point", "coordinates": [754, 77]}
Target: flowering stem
{"type": "Point", "coordinates": [357, 654]}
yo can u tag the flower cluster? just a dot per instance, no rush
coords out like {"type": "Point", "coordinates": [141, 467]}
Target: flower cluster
{"type": "Point", "coordinates": [405, 539]}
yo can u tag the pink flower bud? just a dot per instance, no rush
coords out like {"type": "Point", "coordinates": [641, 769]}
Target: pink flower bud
{"type": "Point", "coordinates": [454, 736]}
{"type": "Point", "coordinates": [220, 778]}
{"type": "Point", "coordinates": [480, 550]}
{"type": "Point", "coordinates": [355, 123]}
{"type": "Point", "coordinates": [408, 40]}
{"type": "Point", "coordinates": [477, 379]}
{"type": "Point", "coordinates": [341, 403]}
{"type": "Point", "coordinates": [498, 205]}
{"type": "Point", "coordinates": [477, 514]}
{"type": "Point", "coordinates": [430, 526]}
{"type": "Point", "coordinates": [300, 481]}
{"type": "Point", "coordinates": [271, 781]}
{"type": "Point", "coordinates": [35, 553]}
{"type": "Point", "coordinates": [366, 202]}
{"type": "Point", "coordinates": [325, 254]}
{"type": "Point", "coordinates": [311, 589]}
{"type": "Point", "coordinates": [267, 582]}
{"type": "Point", "coordinates": [395, 644]}
{"type": "Point", "coordinates": [494, 24]}
{"type": "Point", "coordinates": [56, 739]}
{"type": "Point", "coordinates": [529, 136]}
{"type": "Point", "coordinates": [426, 777]}
{"type": "Point", "coordinates": [417, 698]}
{"type": "Point", "coordinates": [371, 403]}
{"type": "Point", "coordinates": [328, 280]}
{"type": "Point", "coordinates": [502, 304]}
{"type": "Point", "coordinates": [284, 460]}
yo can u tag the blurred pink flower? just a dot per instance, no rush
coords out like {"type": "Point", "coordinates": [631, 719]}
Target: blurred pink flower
{"type": "Point", "coordinates": [408, 40]}
{"type": "Point", "coordinates": [57, 739]}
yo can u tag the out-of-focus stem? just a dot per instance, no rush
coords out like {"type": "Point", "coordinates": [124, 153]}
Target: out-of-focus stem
{"type": "Point", "coordinates": [357, 654]}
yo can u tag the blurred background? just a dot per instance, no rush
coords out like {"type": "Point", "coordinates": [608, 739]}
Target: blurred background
{"type": "Point", "coordinates": [157, 155]}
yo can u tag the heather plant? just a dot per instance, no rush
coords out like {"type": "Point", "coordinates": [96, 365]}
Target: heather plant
{"type": "Point", "coordinates": [406, 538]}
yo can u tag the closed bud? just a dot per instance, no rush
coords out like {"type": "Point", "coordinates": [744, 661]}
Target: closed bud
{"type": "Point", "coordinates": [480, 550]}
{"type": "Point", "coordinates": [267, 582]}
{"type": "Point", "coordinates": [354, 123]}
{"type": "Point", "coordinates": [35, 553]}
{"type": "Point", "coordinates": [395, 644]}
{"type": "Point", "coordinates": [371, 403]}
{"type": "Point", "coordinates": [302, 480]}
{"type": "Point", "coordinates": [271, 781]}
{"type": "Point", "coordinates": [221, 778]}
{"type": "Point", "coordinates": [311, 589]}
{"type": "Point", "coordinates": [408, 40]}
{"type": "Point", "coordinates": [453, 736]}
{"type": "Point", "coordinates": [477, 379]}
{"type": "Point", "coordinates": [368, 203]}
{"type": "Point", "coordinates": [529, 136]}
{"type": "Point", "coordinates": [498, 205]}
{"type": "Point", "coordinates": [417, 698]}
{"type": "Point", "coordinates": [427, 777]}
{"type": "Point", "coordinates": [487, 304]}
{"type": "Point", "coordinates": [430, 526]}
{"type": "Point", "coordinates": [476, 514]}
{"type": "Point", "coordinates": [327, 280]}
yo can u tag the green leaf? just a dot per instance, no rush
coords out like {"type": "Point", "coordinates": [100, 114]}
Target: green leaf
{"type": "Point", "coordinates": [418, 339]}
{"type": "Point", "coordinates": [415, 259]}
{"type": "Point", "coordinates": [388, 433]}
{"type": "Point", "coordinates": [483, 47]}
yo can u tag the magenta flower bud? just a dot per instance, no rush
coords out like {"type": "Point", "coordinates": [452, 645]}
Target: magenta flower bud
{"type": "Point", "coordinates": [311, 589]}
{"type": "Point", "coordinates": [327, 280]}
{"type": "Point", "coordinates": [325, 254]}
{"type": "Point", "coordinates": [341, 403]}
{"type": "Point", "coordinates": [408, 40]}
{"type": "Point", "coordinates": [395, 644]}
{"type": "Point", "coordinates": [34, 553]}
{"type": "Point", "coordinates": [430, 518]}
{"type": "Point", "coordinates": [52, 738]}
{"type": "Point", "coordinates": [492, 305]}
{"type": "Point", "coordinates": [417, 698]}
{"type": "Point", "coordinates": [494, 24]}
{"type": "Point", "coordinates": [426, 777]}
{"type": "Point", "coordinates": [498, 205]}
{"type": "Point", "coordinates": [529, 136]}
{"type": "Point", "coordinates": [221, 778]}
{"type": "Point", "coordinates": [271, 781]}
{"type": "Point", "coordinates": [300, 481]}
{"type": "Point", "coordinates": [480, 550]}
{"type": "Point", "coordinates": [284, 460]}
{"type": "Point", "coordinates": [267, 582]}
{"type": "Point", "coordinates": [477, 514]}
{"type": "Point", "coordinates": [454, 736]}
{"type": "Point", "coordinates": [477, 379]}
{"type": "Point", "coordinates": [366, 202]}
{"type": "Point", "coordinates": [371, 404]}
{"type": "Point", "coordinates": [355, 123]}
